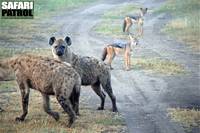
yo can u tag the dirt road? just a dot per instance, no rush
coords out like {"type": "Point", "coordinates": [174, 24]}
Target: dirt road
{"type": "Point", "coordinates": [142, 98]}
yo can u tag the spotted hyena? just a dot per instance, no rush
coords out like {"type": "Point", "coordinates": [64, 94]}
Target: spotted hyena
{"type": "Point", "coordinates": [92, 71]}
{"type": "Point", "coordinates": [50, 77]}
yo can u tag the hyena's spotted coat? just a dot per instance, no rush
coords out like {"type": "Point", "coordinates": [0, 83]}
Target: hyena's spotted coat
{"type": "Point", "coordinates": [92, 71]}
{"type": "Point", "coordinates": [50, 77]}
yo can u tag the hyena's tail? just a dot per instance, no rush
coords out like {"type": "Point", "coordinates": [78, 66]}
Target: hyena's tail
{"type": "Point", "coordinates": [104, 54]}
{"type": "Point", "coordinates": [124, 25]}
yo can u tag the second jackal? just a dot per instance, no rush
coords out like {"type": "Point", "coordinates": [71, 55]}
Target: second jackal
{"type": "Point", "coordinates": [138, 20]}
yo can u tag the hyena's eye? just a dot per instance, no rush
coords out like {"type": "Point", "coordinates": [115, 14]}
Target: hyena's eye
{"type": "Point", "coordinates": [55, 47]}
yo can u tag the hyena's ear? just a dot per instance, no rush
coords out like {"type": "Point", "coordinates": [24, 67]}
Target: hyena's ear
{"type": "Point", "coordinates": [146, 9]}
{"type": "Point", "coordinates": [68, 40]}
{"type": "Point", "coordinates": [52, 40]}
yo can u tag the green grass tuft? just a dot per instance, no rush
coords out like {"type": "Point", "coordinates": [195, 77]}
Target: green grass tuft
{"type": "Point", "coordinates": [188, 118]}
{"type": "Point", "coordinates": [44, 9]}
{"type": "Point", "coordinates": [112, 21]}
{"type": "Point", "coordinates": [158, 66]}
{"type": "Point", "coordinates": [185, 25]}
{"type": "Point", "coordinates": [7, 86]}
{"type": "Point", "coordinates": [9, 52]}
{"type": "Point", "coordinates": [116, 120]}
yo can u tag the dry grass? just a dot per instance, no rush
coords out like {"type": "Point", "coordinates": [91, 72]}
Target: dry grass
{"type": "Point", "coordinates": [179, 29]}
{"type": "Point", "coordinates": [188, 118]}
{"type": "Point", "coordinates": [6, 86]}
{"type": "Point", "coordinates": [157, 65]}
{"type": "Point", "coordinates": [44, 9]}
{"type": "Point", "coordinates": [27, 32]}
{"type": "Point", "coordinates": [9, 52]}
{"type": "Point", "coordinates": [185, 25]}
{"type": "Point", "coordinates": [90, 121]}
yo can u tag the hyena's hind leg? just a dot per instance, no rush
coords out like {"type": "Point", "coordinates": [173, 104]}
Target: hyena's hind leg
{"type": "Point", "coordinates": [97, 89]}
{"type": "Point", "coordinates": [47, 109]}
{"type": "Point", "coordinates": [25, 90]}
{"type": "Point", "coordinates": [106, 84]}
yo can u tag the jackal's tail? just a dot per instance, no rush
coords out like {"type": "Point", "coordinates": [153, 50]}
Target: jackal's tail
{"type": "Point", "coordinates": [104, 54]}
{"type": "Point", "coordinates": [124, 25]}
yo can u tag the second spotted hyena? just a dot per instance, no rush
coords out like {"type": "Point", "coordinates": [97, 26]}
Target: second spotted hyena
{"type": "Point", "coordinates": [50, 77]}
{"type": "Point", "coordinates": [92, 71]}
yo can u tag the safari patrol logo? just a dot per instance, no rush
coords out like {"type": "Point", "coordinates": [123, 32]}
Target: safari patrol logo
{"type": "Point", "coordinates": [17, 9]}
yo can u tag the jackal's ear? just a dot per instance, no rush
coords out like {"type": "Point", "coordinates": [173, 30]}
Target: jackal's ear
{"type": "Point", "coordinates": [68, 40]}
{"type": "Point", "coordinates": [52, 40]}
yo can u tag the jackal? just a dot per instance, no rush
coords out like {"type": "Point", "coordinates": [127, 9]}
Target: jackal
{"type": "Point", "coordinates": [120, 47]}
{"type": "Point", "coordinates": [49, 77]}
{"type": "Point", "coordinates": [138, 19]}
{"type": "Point", "coordinates": [91, 71]}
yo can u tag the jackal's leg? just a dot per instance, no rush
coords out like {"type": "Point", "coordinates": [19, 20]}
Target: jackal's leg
{"type": "Point", "coordinates": [140, 29]}
{"type": "Point", "coordinates": [97, 89]}
{"type": "Point", "coordinates": [126, 60]}
{"type": "Point", "coordinates": [47, 109]}
{"type": "Point", "coordinates": [113, 56]}
{"type": "Point", "coordinates": [129, 60]}
{"type": "Point", "coordinates": [67, 107]}
{"type": "Point", "coordinates": [110, 57]}
{"type": "Point", "coordinates": [128, 28]}
{"type": "Point", "coordinates": [24, 89]}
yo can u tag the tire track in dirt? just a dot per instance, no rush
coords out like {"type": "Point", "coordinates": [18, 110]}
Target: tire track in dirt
{"type": "Point", "coordinates": [136, 94]}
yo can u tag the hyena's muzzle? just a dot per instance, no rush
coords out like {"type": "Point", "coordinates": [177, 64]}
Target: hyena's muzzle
{"type": "Point", "coordinates": [60, 50]}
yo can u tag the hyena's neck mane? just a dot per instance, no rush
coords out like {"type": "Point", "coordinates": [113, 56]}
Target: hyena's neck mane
{"type": "Point", "coordinates": [70, 58]}
{"type": "Point", "coordinates": [74, 59]}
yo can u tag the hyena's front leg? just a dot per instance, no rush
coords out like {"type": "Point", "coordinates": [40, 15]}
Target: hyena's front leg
{"type": "Point", "coordinates": [65, 103]}
{"type": "Point", "coordinates": [74, 98]}
{"type": "Point", "coordinates": [47, 109]}
{"type": "Point", "coordinates": [25, 90]}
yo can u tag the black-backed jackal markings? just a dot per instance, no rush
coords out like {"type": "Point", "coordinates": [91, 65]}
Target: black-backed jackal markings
{"type": "Point", "coordinates": [138, 20]}
{"type": "Point", "coordinates": [116, 48]}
